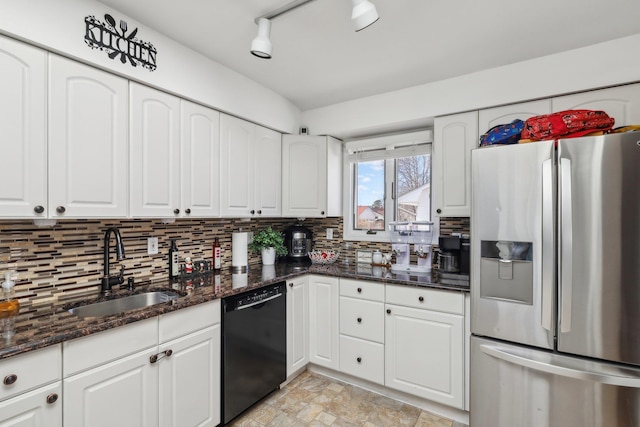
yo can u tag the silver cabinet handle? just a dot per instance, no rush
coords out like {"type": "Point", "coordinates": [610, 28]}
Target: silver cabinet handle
{"type": "Point", "coordinates": [566, 246]}
{"type": "Point", "coordinates": [554, 365]}
{"type": "Point", "coordinates": [547, 279]}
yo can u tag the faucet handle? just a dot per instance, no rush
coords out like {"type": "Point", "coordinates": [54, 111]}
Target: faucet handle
{"type": "Point", "coordinates": [121, 275]}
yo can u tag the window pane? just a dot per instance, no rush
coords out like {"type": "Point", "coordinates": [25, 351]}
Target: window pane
{"type": "Point", "coordinates": [413, 178]}
{"type": "Point", "coordinates": [369, 199]}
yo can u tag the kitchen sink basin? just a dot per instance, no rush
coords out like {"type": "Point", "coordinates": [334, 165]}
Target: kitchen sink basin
{"type": "Point", "coordinates": [120, 305]}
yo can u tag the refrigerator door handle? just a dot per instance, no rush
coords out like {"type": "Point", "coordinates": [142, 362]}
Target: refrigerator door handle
{"type": "Point", "coordinates": [547, 246]}
{"type": "Point", "coordinates": [566, 246]}
{"type": "Point", "coordinates": [628, 378]}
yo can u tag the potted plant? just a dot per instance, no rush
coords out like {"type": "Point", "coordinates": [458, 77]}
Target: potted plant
{"type": "Point", "coordinates": [269, 243]}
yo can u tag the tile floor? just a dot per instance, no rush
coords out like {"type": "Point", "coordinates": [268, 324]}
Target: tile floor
{"type": "Point", "coordinates": [315, 400]}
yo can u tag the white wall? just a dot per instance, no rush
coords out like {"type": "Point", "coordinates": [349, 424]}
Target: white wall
{"type": "Point", "coordinates": [600, 65]}
{"type": "Point", "coordinates": [58, 25]}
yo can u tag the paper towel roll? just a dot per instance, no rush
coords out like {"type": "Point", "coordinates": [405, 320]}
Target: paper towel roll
{"type": "Point", "coordinates": [239, 249]}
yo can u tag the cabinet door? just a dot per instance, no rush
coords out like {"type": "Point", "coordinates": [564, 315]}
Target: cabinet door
{"type": "Point", "coordinates": [88, 158]}
{"type": "Point", "coordinates": [268, 172]}
{"type": "Point", "coordinates": [622, 103]}
{"type": "Point", "coordinates": [304, 176]}
{"type": "Point", "coordinates": [23, 145]}
{"type": "Point", "coordinates": [33, 409]}
{"type": "Point", "coordinates": [236, 167]}
{"type": "Point", "coordinates": [120, 393]}
{"type": "Point", "coordinates": [200, 156]}
{"type": "Point", "coordinates": [491, 117]}
{"type": "Point", "coordinates": [190, 380]}
{"type": "Point", "coordinates": [454, 138]}
{"type": "Point", "coordinates": [297, 324]}
{"type": "Point", "coordinates": [424, 354]}
{"type": "Point", "coordinates": [155, 153]}
{"type": "Point", "coordinates": [323, 321]}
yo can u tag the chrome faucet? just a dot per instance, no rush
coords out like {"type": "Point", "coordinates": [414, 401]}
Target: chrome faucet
{"type": "Point", "coordinates": [107, 280]}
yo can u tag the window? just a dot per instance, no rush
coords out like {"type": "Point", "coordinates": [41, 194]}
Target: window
{"type": "Point", "coordinates": [387, 179]}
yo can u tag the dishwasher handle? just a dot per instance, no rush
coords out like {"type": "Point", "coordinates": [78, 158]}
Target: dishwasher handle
{"type": "Point", "coordinates": [253, 304]}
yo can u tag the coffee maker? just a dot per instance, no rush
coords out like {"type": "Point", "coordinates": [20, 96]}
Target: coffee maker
{"type": "Point", "coordinates": [298, 239]}
{"type": "Point", "coordinates": [454, 259]}
{"type": "Point", "coordinates": [449, 255]}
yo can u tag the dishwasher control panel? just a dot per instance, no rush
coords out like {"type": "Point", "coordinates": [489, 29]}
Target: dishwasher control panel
{"type": "Point", "coordinates": [254, 296]}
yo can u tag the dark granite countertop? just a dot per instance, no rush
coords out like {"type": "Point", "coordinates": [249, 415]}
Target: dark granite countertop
{"type": "Point", "coordinates": [44, 324]}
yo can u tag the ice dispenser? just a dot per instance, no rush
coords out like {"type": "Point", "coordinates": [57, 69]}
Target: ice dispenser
{"type": "Point", "coordinates": [506, 270]}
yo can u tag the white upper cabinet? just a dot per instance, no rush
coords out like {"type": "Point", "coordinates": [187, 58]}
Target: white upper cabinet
{"type": "Point", "coordinates": [454, 138]}
{"type": "Point", "coordinates": [268, 173]}
{"type": "Point", "coordinates": [491, 117]}
{"type": "Point", "coordinates": [200, 155]}
{"type": "Point", "coordinates": [155, 153]}
{"type": "Point", "coordinates": [23, 146]}
{"type": "Point", "coordinates": [311, 176]}
{"type": "Point", "coordinates": [88, 141]}
{"type": "Point", "coordinates": [249, 169]}
{"type": "Point", "coordinates": [621, 102]}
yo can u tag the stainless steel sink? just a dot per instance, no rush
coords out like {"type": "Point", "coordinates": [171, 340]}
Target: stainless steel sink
{"type": "Point", "coordinates": [120, 305]}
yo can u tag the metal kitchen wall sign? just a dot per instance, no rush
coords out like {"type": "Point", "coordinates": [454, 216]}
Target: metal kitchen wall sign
{"type": "Point", "coordinates": [115, 41]}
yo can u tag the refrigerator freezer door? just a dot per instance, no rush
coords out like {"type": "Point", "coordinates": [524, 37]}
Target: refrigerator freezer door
{"type": "Point", "coordinates": [513, 254]}
{"type": "Point", "coordinates": [599, 247]}
{"type": "Point", "coordinates": [520, 386]}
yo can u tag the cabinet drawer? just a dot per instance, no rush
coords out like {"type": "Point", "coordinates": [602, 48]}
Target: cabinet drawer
{"type": "Point", "coordinates": [430, 299]}
{"type": "Point", "coordinates": [103, 347]}
{"type": "Point", "coordinates": [182, 322]}
{"type": "Point", "coordinates": [362, 319]}
{"type": "Point", "coordinates": [361, 289]}
{"type": "Point", "coordinates": [363, 359]}
{"type": "Point", "coordinates": [30, 370]}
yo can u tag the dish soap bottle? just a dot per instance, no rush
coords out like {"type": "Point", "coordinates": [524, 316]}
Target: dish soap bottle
{"type": "Point", "coordinates": [9, 304]}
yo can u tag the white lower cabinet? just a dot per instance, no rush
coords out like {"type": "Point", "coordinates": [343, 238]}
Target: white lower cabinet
{"type": "Point", "coordinates": [189, 366]}
{"type": "Point", "coordinates": [323, 321]}
{"type": "Point", "coordinates": [190, 380]}
{"type": "Point", "coordinates": [38, 408]}
{"type": "Point", "coordinates": [297, 324]}
{"type": "Point", "coordinates": [361, 358]}
{"type": "Point", "coordinates": [120, 393]}
{"type": "Point", "coordinates": [31, 390]}
{"type": "Point", "coordinates": [424, 348]}
{"type": "Point", "coordinates": [362, 329]}
{"type": "Point", "coordinates": [157, 372]}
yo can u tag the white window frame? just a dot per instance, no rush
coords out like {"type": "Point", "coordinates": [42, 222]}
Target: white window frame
{"type": "Point", "coordinates": [386, 148]}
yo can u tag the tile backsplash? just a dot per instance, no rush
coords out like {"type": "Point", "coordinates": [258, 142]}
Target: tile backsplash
{"type": "Point", "coordinates": [68, 258]}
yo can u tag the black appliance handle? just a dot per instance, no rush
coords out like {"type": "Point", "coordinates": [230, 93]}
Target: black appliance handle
{"type": "Point", "coordinates": [257, 302]}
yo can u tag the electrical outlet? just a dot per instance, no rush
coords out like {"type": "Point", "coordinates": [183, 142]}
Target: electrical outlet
{"type": "Point", "coordinates": [329, 233]}
{"type": "Point", "coordinates": [152, 245]}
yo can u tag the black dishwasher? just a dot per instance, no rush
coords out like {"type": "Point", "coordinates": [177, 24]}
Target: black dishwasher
{"type": "Point", "coordinates": [254, 347]}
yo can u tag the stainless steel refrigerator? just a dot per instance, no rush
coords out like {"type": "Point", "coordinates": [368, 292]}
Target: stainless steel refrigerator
{"type": "Point", "coordinates": [555, 284]}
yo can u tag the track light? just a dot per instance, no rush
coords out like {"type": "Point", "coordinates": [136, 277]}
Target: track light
{"type": "Point", "coordinates": [364, 14]}
{"type": "Point", "coordinates": [261, 45]}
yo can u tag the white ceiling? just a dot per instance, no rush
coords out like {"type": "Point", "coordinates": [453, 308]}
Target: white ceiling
{"type": "Point", "coordinates": [318, 59]}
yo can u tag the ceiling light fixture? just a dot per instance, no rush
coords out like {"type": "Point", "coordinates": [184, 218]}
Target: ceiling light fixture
{"type": "Point", "coordinates": [261, 45]}
{"type": "Point", "coordinates": [364, 14]}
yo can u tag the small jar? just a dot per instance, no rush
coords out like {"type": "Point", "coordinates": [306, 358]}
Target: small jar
{"type": "Point", "coordinates": [346, 253]}
{"type": "Point", "coordinates": [376, 257]}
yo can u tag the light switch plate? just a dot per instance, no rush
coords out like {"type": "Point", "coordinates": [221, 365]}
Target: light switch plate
{"type": "Point", "coordinates": [152, 245]}
{"type": "Point", "coordinates": [329, 233]}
